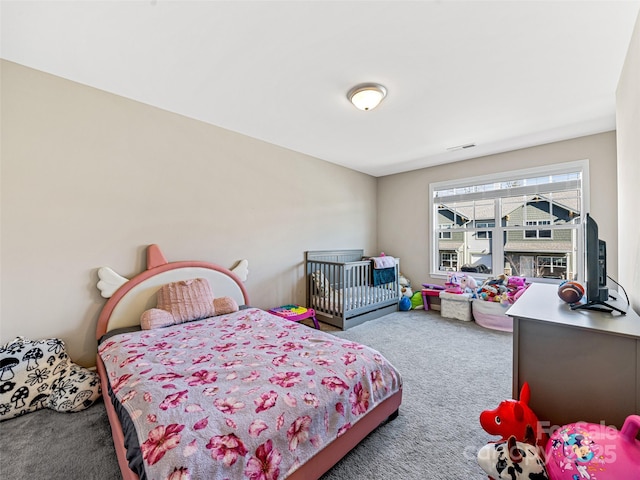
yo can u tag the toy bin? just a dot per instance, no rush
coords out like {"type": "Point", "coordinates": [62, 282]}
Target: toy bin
{"type": "Point", "coordinates": [456, 305]}
{"type": "Point", "coordinates": [492, 315]}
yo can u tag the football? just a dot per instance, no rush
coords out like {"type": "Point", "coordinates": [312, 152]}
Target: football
{"type": "Point", "coordinates": [570, 292]}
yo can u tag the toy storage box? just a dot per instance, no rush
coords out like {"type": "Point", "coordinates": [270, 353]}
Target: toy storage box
{"type": "Point", "coordinates": [492, 315]}
{"type": "Point", "coordinates": [456, 305]}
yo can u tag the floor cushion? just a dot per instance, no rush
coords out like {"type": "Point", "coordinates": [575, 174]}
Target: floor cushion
{"type": "Point", "coordinates": [38, 374]}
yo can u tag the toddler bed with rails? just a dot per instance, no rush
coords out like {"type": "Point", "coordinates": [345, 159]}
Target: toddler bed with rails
{"type": "Point", "coordinates": [240, 394]}
{"type": "Point", "coordinates": [346, 289]}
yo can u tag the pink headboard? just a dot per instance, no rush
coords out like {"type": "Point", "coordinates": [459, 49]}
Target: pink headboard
{"type": "Point", "coordinates": [134, 296]}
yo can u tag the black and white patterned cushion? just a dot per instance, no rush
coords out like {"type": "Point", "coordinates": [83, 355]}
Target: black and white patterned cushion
{"type": "Point", "coordinates": [36, 374]}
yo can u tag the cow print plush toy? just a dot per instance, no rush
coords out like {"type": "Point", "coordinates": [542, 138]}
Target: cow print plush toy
{"type": "Point", "coordinates": [512, 460]}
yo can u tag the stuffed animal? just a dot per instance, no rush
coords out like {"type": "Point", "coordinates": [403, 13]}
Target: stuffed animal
{"type": "Point", "coordinates": [405, 286]}
{"type": "Point", "coordinates": [37, 374]}
{"type": "Point", "coordinates": [405, 304]}
{"type": "Point", "coordinates": [503, 298]}
{"type": "Point", "coordinates": [513, 460]}
{"type": "Point", "coordinates": [516, 282]}
{"type": "Point", "coordinates": [500, 283]}
{"type": "Point", "coordinates": [468, 283]}
{"type": "Point", "coordinates": [492, 289]}
{"type": "Point", "coordinates": [184, 301]}
{"type": "Point", "coordinates": [511, 417]}
{"type": "Point", "coordinates": [515, 287]}
{"type": "Point", "coordinates": [452, 285]}
{"type": "Point", "coordinates": [417, 301]}
{"type": "Point", "coordinates": [487, 292]}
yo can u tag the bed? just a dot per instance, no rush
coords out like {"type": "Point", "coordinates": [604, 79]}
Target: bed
{"type": "Point", "coordinates": [240, 395]}
{"type": "Point", "coordinates": [342, 290]}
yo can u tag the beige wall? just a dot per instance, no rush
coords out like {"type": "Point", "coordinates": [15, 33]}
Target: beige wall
{"type": "Point", "coordinates": [403, 199]}
{"type": "Point", "coordinates": [628, 130]}
{"type": "Point", "coordinates": [90, 179]}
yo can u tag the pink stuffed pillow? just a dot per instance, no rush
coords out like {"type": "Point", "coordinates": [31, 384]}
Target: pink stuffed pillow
{"type": "Point", "coordinates": [187, 299]}
{"type": "Point", "coordinates": [224, 305]}
{"type": "Point", "coordinates": [184, 301]}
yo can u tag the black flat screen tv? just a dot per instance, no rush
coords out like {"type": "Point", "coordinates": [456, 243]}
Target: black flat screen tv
{"type": "Point", "coordinates": [596, 291]}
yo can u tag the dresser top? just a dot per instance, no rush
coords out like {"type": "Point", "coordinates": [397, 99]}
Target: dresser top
{"type": "Point", "coordinates": [541, 302]}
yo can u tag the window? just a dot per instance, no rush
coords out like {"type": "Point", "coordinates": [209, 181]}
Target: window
{"type": "Point", "coordinates": [484, 233]}
{"type": "Point", "coordinates": [448, 262]}
{"type": "Point", "coordinates": [524, 222]}
{"type": "Point", "coordinates": [537, 233]}
{"type": "Point", "coordinates": [552, 267]}
{"type": "Point", "coordinates": [443, 232]}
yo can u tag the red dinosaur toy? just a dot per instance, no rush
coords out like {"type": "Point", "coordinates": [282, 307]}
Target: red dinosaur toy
{"type": "Point", "coordinates": [512, 417]}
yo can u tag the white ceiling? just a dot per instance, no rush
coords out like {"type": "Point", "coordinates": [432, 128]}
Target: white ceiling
{"type": "Point", "coordinates": [500, 74]}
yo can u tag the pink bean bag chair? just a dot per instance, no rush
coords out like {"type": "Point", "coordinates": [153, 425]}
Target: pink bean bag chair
{"type": "Point", "coordinates": [595, 452]}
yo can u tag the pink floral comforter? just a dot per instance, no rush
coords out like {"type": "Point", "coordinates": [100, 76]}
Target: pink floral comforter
{"type": "Point", "coordinates": [245, 395]}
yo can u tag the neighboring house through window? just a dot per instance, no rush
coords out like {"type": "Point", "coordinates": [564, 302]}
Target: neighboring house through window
{"type": "Point", "coordinates": [449, 261]}
{"type": "Point", "coordinates": [537, 233]}
{"type": "Point", "coordinates": [483, 234]}
{"type": "Point", "coordinates": [524, 222]}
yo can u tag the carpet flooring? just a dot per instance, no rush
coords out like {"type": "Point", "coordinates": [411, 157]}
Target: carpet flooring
{"type": "Point", "coordinates": [451, 371]}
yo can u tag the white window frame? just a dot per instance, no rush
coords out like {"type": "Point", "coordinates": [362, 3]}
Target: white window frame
{"type": "Point", "coordinates": [553, 259]}
{"type": "Point", "coordinates": [452, 254]}
{"type": "Point", "coordinates": [581, 166]}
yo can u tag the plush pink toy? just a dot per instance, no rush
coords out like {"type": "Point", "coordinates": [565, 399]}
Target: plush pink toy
{"type": "Point", "coordinates": [517, 282]}
{"type": "Point", "coordinates": [595, 452]}
{"type": "Point", "coordinates": [512, 417]}
{"type": "Point", "coordinates": [515, 287]}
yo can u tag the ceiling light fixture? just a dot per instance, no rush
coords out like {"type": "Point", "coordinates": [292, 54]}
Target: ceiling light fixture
{"type": "Point", "coordinates": [367, 96]}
